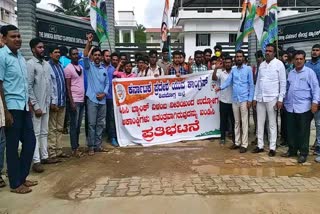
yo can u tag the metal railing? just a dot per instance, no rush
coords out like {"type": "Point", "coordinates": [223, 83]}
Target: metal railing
{"type": "Point", "coordinates": [130, 23]}
{"type": "Point", "coordinates": [238, 9]}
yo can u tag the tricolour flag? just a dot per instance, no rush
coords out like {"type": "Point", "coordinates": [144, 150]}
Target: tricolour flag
{"type": "Point", "coordinates": [270, 25]}
{"type": "Point", "coordinates": [164, 24]}
{"type": "Point", "coordinates": [98, 18]}
{"type": "Point", "coordinates": [246, 22]}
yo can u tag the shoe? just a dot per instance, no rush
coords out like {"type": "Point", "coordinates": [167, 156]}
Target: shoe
{"type": "Point", "coordinates": [37, 167]}
{"type": "Point", "coordinates": [222, 142]}
{"type": "Point", "coordinates": [234, 146]}
{"type": "Point", "coordinates": [302, 159]}
{"type": "Point", "coordinates": [50, 161]}
{"type": "Point", "coordinates": [114, 142]}
{"type": "Point", "coordinates": [288, 155]}
{"type": "Point", "coordinates": [272, 153]}
{"type": "Point", "coordinates": [257, 150]}
{"type": "Point", "coordinates": [317, 159]}
{"type": "Point", "coordinates": [243, 150]}
{"type": "Point", "coordinates": [102, 150]}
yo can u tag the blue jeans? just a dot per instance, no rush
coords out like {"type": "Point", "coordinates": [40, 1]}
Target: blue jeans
{"type": "Point", "coordinates": [75, 124]}
{"type": "Point", "coordinates": [21, 130]}
{"type": "Point", "coordinates": [96, 119]}
{"type": "Point", "coordinates": [2, 147]}
{"type": "Point", "coordinates": [110, 122]}
{"type": "Point", "coordinates": [317, 124]}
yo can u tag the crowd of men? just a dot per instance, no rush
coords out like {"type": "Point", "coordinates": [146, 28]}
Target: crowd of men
{"type": "Point", "coordinates": [37, 95]}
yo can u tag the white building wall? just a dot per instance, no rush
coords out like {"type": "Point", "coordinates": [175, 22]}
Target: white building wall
{"type": "Point", "coordinates": [219, 30]}
{"type": "Point", "coordinates": [7, 12]}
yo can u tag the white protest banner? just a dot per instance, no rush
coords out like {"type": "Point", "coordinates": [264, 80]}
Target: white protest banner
{"type": "Point", "coordinates": [153, 111]}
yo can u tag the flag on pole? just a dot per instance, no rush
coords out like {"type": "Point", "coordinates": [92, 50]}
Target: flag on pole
{"type": "Point", "coordinates": [270, 25]}
{"type": "Point", "coordinates": [246, 23]}
{"type": "Point", "coordinates": [259, 19]}
{"type": "Point", "coordinates": [165, 25]}
{"type": "Point", "coordinates": [98, 18]}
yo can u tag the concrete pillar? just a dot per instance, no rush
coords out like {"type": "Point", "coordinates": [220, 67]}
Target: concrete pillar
{"type": "Point", "coordinates": [132, 36]}
{"type": "Point", "coordinates": [27, 24]}
{"type": "Point", "coordinates": [252, 48]}
{"type": "Point", "coordinates": [120, 36]}
{"type": "Point", "coordinates": [111, 27]}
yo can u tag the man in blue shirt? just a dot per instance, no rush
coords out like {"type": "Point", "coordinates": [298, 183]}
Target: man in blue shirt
{"type": "Point", "coordinates": [110, 122]}
{"type": "Point", "coordinates": [241, 79]}
{"type": "Point", "coordinates": [14, 94]}
{"type": "Point", "coordinates": [314, 64]}
{"type": "Point", "coordinates": [98, 87]}
{"type": "Point", "coordinates": [301, 102]}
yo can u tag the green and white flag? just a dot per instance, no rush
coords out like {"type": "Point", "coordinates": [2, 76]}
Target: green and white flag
{"type": "Point", "coordinates": [246, 23]}
{"type": "Point", "coordinates": [98, 18]}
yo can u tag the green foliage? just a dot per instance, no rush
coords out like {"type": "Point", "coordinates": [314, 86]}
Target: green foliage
{"type": "Point", "coordinates": [72, 7]}
{"type": "Point", "coordinates": [140, 34]}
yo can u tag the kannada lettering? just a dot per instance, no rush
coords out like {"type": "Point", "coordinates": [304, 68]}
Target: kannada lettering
{"type": "Point", "coordinates": [176, 115]}
{"type": "Point", "coordinates": [140, 89]}
{"type": "Point", "coordinates": [199, 84]}
{"type": "Point", "coordinates": [149, 134]}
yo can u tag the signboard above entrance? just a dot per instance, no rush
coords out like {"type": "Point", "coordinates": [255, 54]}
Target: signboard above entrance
{"type": "Point", "coordinates": [298, 32]}
{"type": "Point", "coordinates": [65, 35]}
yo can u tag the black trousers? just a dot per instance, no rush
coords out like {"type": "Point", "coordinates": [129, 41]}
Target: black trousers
{"type": "Point", "coordinates": [298, 129]}
{"type": "Point", "coordinates": [226, 113]}
{"type": "Point", "coordinates": [110, 120]}
{"type": "Point", "coordinates": [283, 115]}
{"type": "Point", "coordinates": [21, 130]}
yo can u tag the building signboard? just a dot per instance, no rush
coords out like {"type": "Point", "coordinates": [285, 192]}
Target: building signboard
{"type": "Point", "coordinates": [299, 32]}
{"type": "Point", "coordinates": [65, 35]}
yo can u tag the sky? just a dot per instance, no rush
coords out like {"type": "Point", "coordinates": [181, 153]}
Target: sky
{"type": "Point", "coordinates": [147, 12]}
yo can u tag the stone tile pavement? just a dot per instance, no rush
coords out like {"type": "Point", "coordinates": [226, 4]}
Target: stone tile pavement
{"type": "Point", "coordinates": [194, 184]}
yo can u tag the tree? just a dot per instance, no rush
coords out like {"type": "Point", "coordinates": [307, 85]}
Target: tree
{"type": "Point", "coordinates": [140, 34]}
{"type": "Point", "coordinates": [72, 7]}
{"type": "Point", "coordinates": [83, 9]}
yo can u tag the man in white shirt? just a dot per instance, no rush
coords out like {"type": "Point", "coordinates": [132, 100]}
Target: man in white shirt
{"type": "Point", "coordinates": [221, 72]}
{"type": "Point", "coordinates": [268, 97]}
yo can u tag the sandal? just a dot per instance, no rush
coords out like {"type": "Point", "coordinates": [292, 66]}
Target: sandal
{"type": "Point", "coordinates": [91, 152]}
{"type": "Point", "coordinates": [76, 153]}
{"type": "Point", "coordinates": [21, 190]}
{"type": "Point", "coordinates": [28, 183]}
{"type": "Point", "coordinates": [2, 183]}
{"type": "Point", "coordinates": [103, 150]}
{"type": "Point", "coordinates": [63, 155]}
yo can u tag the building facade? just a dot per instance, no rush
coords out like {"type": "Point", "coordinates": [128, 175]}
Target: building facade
{"type": "Point", "coordinates": [206, 23]}
{"type": "Point", "coordinates": [7, 12]}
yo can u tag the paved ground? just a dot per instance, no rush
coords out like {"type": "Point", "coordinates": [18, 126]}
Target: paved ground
{"type": "Point", "coordinates": [191, 177]}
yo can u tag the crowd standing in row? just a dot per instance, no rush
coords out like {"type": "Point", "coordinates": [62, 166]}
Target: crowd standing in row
{"type": "Point", "coordinates": [37, 95]}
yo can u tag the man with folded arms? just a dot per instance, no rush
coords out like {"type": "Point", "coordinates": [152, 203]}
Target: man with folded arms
{"type": "Point", "coordinates": [268, 97]}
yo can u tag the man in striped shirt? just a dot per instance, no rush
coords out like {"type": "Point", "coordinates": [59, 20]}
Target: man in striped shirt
{"type": "Point", "coordinates": [58, 105]}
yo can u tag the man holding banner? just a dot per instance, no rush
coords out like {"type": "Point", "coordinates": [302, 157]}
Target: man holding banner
{"type": "Point", "coordinates": [241, 79]}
